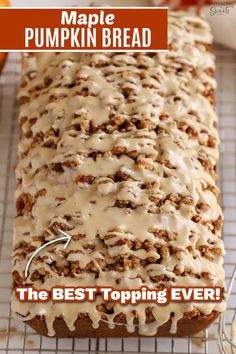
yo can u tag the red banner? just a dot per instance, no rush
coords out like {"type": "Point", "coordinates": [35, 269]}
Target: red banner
{"type": "Point", "coordinates": [83, 29]}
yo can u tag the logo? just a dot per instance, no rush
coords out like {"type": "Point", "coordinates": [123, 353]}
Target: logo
{"type": "Point", "coordinates": [221, 8]}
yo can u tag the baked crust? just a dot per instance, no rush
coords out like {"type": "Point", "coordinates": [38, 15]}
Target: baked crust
{"type": "Point", "coordinates": [84, 329]}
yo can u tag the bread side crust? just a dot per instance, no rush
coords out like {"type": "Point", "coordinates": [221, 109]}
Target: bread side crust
{"type": "Point", "coordinates": [84, 329]}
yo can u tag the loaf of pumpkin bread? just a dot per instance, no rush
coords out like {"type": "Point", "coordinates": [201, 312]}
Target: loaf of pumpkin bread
{"type": "Point", "coordinates": [120, 150]}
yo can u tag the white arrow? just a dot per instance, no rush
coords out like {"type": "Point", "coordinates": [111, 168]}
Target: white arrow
{"type": "Point", "coordinates": [66, 238]}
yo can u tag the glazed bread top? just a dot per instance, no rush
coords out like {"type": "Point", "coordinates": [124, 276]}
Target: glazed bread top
{"type": "Point", "coordinates": [120, 151]}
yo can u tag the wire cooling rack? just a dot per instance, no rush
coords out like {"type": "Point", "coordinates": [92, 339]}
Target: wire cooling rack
{"type": "Point", "coordinates": [17, 338]}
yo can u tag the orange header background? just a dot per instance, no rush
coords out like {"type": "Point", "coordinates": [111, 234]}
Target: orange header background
{"type": "Point", "coordinates": [14, 21]}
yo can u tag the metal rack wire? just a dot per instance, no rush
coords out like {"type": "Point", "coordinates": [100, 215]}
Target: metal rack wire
{"type": "Point", "coordinates": [17, 338]}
